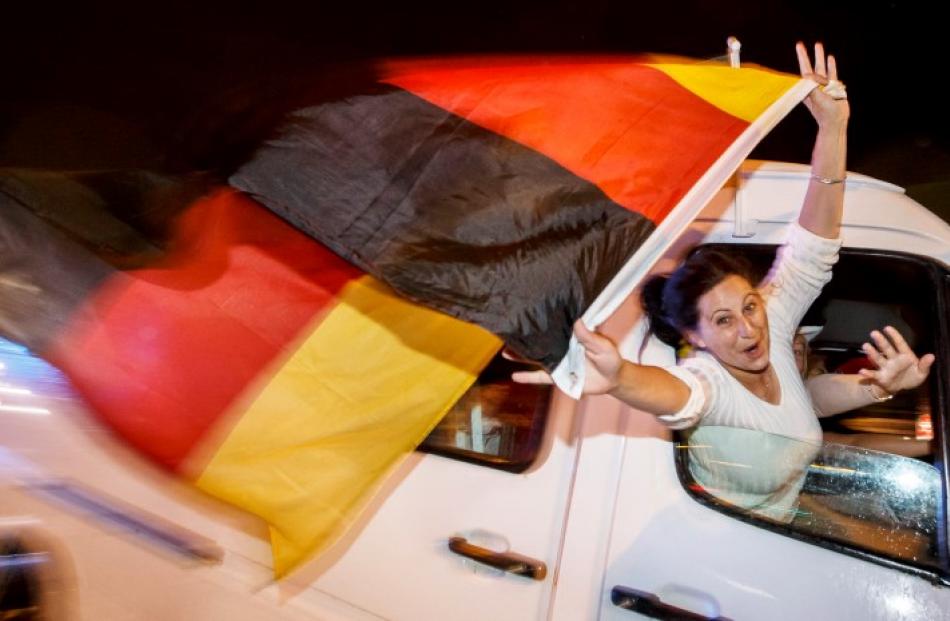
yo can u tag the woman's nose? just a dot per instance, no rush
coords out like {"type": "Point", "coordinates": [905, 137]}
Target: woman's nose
{"type": "Point", "coordinates": [745, 327]}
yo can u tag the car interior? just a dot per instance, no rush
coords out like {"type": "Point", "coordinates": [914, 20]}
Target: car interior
{"type": "Point", "coordinates": [871, 290]}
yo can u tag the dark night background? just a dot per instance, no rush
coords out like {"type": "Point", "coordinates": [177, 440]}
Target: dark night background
{"type": "Point", "coordinates": [127, 84]}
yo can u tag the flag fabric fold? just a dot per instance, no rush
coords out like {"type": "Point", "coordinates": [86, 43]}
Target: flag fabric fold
{"type": "Point", "coordinates": [237, 352]}
{"type": "Point", "coordinates": [510, 192]}
{"type": "Point", "coordinates": [285, 341]}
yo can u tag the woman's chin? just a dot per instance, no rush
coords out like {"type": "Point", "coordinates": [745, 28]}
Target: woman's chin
{"type": "Point", "coordinates": [758, 364]}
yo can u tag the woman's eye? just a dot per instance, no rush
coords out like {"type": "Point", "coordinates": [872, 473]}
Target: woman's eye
{"type": "Point", "coordinates": [722, 321]}
{"type": "Point", "coordinates": [750, 307]}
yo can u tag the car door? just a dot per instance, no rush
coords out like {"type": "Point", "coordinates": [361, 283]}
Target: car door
{"type": "Point", "coordinates": [491, 489]}
{"type": "Point", "coordinates": [109, 536]}
{"type": "Point", "coordinates": [683, 557]}
{"type": "Point", "coordinates": [865, 536]}
{"type": "Point", "coordinates": [493, 482]}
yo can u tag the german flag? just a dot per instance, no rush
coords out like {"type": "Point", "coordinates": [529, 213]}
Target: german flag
{"type": "Point", "coordinates": [231, 349]}
{"type": "Point", "coordinates": [251, 338]}
{"type": "Point", "coordinates": [510, 192]}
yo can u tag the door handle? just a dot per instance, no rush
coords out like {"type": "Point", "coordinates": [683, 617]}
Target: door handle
{"type": "Point", "coordinates": [506, 561]}
{"type": "Point", "coordinates": [650, 605]}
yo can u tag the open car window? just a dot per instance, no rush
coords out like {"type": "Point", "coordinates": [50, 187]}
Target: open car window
{"type": "Point", "coordinates": [871, 290]}
{"type": "Point", "coordinates": [875, 486]}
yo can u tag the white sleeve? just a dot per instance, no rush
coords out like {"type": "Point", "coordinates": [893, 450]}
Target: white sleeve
{"type": "Point", "coordinates": [801, 269]}
{"type": "Point", "coordinates": [705, 389]}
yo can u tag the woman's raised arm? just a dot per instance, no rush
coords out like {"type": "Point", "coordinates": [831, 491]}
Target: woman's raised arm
{"type": "Point", "coordinates": [828, 104]}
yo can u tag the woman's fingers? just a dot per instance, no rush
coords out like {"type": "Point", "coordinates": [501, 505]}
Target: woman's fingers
{"type": "Point", "coordinates": [832, 68]}
{"type": "Point", "coordinates": [581, 331]}
{"type": "Point", "coordinates": [898, 340]}
{"type": "Point", "coordinates": [509, 354]}
{"type": "Point", "coordinates": [883, 344]}
{"type": "Point", "coordinates": [923, 367]}
{"type": "Point", "coordinates": [873, 355]}
{"type": "Point", "coordinates": [820, 67]}
{"type": "Point", "coordinates": [532, 377]}
{"type": "Point", "coordinates": [594, 343]}
{"type": "Point", "coordinates": [804, 63]}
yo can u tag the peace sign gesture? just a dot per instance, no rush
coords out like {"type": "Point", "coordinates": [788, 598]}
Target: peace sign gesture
{"type": "Point", "coordinates": [828, 103]}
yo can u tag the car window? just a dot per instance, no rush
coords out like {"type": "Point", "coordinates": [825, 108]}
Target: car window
{"type": "Point", "coordinates": [497, 423]}
{"type": "Point", "coordinates": [874, 486]}
{"type": "Point", "coordinates": [869, 500]}
{"type": "Point", "coordinates": [871, 290]}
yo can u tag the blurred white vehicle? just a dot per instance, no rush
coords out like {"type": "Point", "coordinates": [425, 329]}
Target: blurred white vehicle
{"type": "Point", "coordinates": [524, 504]}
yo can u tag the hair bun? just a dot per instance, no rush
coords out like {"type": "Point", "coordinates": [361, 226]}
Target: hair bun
{"type": "Point", "coordinates": [652, 301]}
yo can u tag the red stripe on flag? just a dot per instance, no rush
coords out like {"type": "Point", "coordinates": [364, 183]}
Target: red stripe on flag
{"type": "Point", "coordinates": [628, 128]}
{"type": "Point", "coordinates": [161, 353]}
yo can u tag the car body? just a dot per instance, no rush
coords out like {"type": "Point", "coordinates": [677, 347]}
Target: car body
{"type": "Point", "coordinates": [588, 505]}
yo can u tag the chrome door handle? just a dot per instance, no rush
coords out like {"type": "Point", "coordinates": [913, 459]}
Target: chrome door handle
{"type": "Point", "coordinates": [506, 561]}
{"type": "Point", "coordinates": [649, 605]}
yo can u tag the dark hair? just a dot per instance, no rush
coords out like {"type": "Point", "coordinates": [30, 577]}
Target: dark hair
{"type": "Point", "coordinates": [671, 302]}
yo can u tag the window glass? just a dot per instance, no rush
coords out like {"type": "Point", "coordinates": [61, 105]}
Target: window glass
{"type": "Point", "coordinates": [874, 501]}
{"type": "Point", "coordinates": [497, 422]}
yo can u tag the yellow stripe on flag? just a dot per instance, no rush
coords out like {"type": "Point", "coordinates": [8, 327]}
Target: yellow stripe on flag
{"type": "Point", "coordinates": [373, 378]}
{"type": "Point", "coordinates": [744, 93]}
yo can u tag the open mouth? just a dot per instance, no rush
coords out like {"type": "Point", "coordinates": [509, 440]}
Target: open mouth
{"type": "Point", "coordinates": [754, 350]}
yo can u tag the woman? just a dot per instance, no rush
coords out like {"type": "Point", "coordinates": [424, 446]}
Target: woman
{"type": "Point", "coordinates": [744, 374]}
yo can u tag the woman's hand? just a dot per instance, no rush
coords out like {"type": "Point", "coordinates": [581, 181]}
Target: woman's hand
{"type": "Point", "coordinates": [602, 372]}
{"type": "Point", "coordinates": [828, 103]}
{"type": "Point", "coordinates": [824, 199]}
{"type": "Point", "coordinates": [603, 363]}
{"type": "Point", "coordinates": [644, 387]}
{"type": "Point", "coordinates": [898, 367]}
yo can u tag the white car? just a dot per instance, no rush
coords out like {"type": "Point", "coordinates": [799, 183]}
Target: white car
{"type": "Point", "coordinates": [524, 504]}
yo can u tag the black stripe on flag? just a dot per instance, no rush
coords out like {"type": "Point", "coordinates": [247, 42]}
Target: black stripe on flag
{"type": "Point", "coordinates": [63, 234]}
{"type": "Point", "coordinates": [448, 213]}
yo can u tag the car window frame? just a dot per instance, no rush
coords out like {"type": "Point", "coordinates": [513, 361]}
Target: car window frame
{"type": "Point", "coordinates": [939, 276]}
{"type": "Point", "coordinates": [513, 465]}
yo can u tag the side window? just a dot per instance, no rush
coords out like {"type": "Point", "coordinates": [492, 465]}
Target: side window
{"type": "Point", "coordinates": [875, 486]}
{"type": "Point", "coordinates": [866, 500]}
{"type": "Point", "coordinates": [497, 423]}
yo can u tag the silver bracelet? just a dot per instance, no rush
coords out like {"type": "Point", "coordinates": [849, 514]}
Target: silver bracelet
{"type": "Point", "coordinates": [828, 180]}
{"type": "Point", "coordinates": [887, 395]}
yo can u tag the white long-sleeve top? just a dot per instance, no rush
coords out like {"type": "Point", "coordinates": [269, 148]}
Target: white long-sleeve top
{"type": "Point", "coordinates": [745, 450]}
{"type": "Point", "coordinates": [801, 269]}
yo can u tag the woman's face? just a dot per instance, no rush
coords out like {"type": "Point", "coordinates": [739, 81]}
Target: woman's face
{"type": "Point", "coordinates": [733, 325]}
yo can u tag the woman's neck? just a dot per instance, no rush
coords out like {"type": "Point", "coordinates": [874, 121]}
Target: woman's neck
{"type": "Point", "coordinates": [763, 384]}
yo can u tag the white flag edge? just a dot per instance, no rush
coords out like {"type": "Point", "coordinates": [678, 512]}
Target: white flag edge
{"type": "Point", "coordinates": [569, 374]}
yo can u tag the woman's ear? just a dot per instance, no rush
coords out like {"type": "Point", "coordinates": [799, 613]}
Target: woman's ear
{"type": "Point", "coordinates": [693, 338]}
